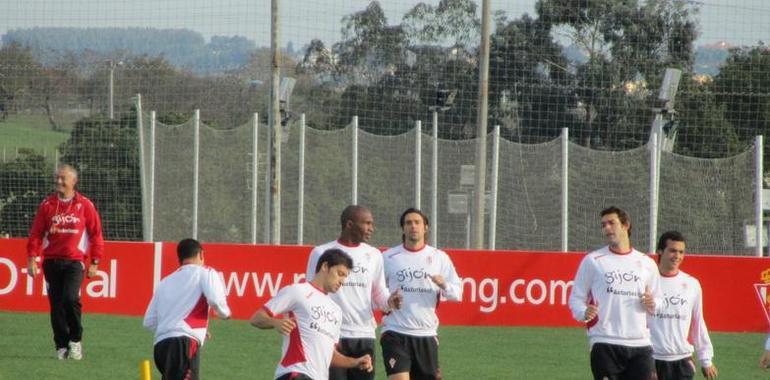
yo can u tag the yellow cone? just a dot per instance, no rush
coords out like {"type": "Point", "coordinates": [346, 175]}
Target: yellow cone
{"type": "Point", "coordinates": [144, 370]}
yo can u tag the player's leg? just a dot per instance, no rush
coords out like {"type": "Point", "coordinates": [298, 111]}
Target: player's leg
{"type": "Point", "coordinates": [640, 365]}
{"type": "Point", "coordinates": [358, 348]}
{"type": "Point", "coordinates": [177, 358]}
{"type": "Point", "coordinates": [343, 347]}
{"type": "Point", "coordinates": [72, 278]}
{"type": "Point", "coordinates": [395, 355]}
{"type": "Point", "coordinates": [425, 358]}
{"type": "Point", "coordinates": [53, 276]}
{"type": "Point", "coordinates": [607, 361]}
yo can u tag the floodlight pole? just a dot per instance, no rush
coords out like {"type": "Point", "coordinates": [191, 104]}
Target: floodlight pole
{"type": "Point", "coordinates": [275, 125]}
{"type": "Point", "coordinates": [477, 230]}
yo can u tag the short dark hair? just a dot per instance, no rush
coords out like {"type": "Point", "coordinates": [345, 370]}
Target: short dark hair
{"type": "Point", "coordinates": [188, 248]}
{"type": "Point", "coordinates": [413, 210]}
{"type": "Point", "coordinates": [669, 235]}
{"type": "Point", "coordinates": [622, 216]}
{"type": "Point", "coordinates": [333, 257]}
{"type": "Point", "coordinates": [349, 213]}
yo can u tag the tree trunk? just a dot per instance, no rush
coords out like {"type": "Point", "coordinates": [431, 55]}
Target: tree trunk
{"type": "Point", "coordinates": [49, 113]}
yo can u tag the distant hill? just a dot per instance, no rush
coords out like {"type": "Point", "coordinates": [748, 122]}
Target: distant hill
{"type": "Point", "coordinates": [181, 47]}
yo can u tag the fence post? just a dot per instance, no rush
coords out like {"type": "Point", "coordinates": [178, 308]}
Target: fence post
{"type": "Point", "coordinates": [654, 168]}
{"type": "Point", "coordinates": [493, 186]}
{"type": "Point", "coordinates": [418, 164]}
{"type": "Point", "coordinates": [254, 177]}
{"type": "Point", "coordinates": [758, 179]}
{"type": "Point", "coordinates": [301, 182]}
{"type": "Point", "coordinates": [564, 189]}
{"type": "Point", "coordinates": [196, 168]}
{"type": "Point", "coordinates": [434, 183]}
{"type": "Point", "coordinates": [151, 196]}
{"type": "Point", "coordinates": [355, 161]}
{"type": "Point", "coordinates": [142, 174]}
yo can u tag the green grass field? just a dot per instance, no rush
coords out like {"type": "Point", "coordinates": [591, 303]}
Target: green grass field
{"type": "Point", "coordinates": [29, 132]}
{"type": "Point", "coordinates": [114, 346]}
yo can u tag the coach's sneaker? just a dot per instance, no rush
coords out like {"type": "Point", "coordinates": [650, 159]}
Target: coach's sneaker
{"type": "Point", "coordinates": [76, 351]}
{"type": "Point", "coordinates": [61, 353]}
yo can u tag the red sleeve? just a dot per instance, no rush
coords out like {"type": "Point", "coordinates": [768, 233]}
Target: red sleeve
{"type": "Point", "coordinates": [37, 231]}
{"type": "Point", "coordinates": [94, 228]}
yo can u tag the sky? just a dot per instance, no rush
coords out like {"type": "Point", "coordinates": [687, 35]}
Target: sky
{"type": "Point", "coordinates": [737, 22]}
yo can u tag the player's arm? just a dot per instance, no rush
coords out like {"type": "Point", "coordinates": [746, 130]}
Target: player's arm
{"type": "Point", "coordinates": [448, 280]}
{"type": "Point", "coordinates": [312, 261]}
{"type": "Point", "coordinates": [95, 238]}
{"type": "Point", "coordinates": [265, 319]}
{"type": "Point", "coordinates": [363, 363]}
{"type": "Point", "coordinates": [382, 299]}
{"type": "Point", "coordinates": [581, 287]}
{"type": "Point", "coordinates": [266, 316]}
{"type": "Point", "coordinates": [151, 316]}
{"type": "Point", "coordinates": [35, 241]}
{"type": "Point", "coordinates": [214, 291]}
{"type": "Point", "coordinates": [700, 337]}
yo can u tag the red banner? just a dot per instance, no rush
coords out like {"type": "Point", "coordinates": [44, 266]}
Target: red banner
{"type": "Point", "coordinates": [123, 284]}
{"type": "Point", "coordinates": [501, 288]}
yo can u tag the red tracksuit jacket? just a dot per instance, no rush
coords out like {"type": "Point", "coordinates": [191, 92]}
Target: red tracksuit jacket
{"type": "Point", "coordinates": [66, 230]}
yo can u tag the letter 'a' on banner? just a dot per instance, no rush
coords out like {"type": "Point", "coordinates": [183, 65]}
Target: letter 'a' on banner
{"type": "Point", "coordinates": [763, 293]}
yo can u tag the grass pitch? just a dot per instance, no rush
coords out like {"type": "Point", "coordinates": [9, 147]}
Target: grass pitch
{"type": "Point", "coordinates": [114, 346]}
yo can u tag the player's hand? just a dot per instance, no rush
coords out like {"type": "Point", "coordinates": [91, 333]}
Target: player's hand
{"type": "Point", "coordinates": [364, 363]}
{"type": "Point", "coordinates": [648, 301]}
{"type": "Point", "coordinates": [395, 300]}
{"type": "Point", "coordinates": [439, 281]}
{"type": "Point", "coordinates": [710, 372]}
{"type": "Point", "coordinates": [284, 326]}
{"type": "Point", "coordinates": [764, 361]}
{"type": "Point", "coordinates": [32, 268]}
{"type": "Point", "coordinates": [92, 269]}
{"type": "Point", "coordinates": [591, 312]}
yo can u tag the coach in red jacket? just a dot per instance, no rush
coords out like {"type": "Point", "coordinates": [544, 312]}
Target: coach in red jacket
{"type": "Point", "coordinates": [66, 229]}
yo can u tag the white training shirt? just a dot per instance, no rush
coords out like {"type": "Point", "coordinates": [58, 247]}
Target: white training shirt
{"type": "Point", "coordinates": [409, 272]}
{"type": "Point", "coordinates": [363, 290]}
{"type": "Point", "coordinates": [678, 324]}
{"type": "Point", "coordinates": [309, 347]}
{"type": "Point", "coordinates": [615, 282]}
{"type": "Point", "coordinates": [180, 305]}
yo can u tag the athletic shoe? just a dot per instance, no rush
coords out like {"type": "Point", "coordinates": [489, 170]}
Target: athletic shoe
{"type": "Point", "coordinates": [61, 353]}
{"type": "Point", "coordinates": [76, 351]}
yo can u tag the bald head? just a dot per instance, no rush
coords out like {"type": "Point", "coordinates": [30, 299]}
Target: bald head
{"type": "Point", "coordinates": [357, 224]}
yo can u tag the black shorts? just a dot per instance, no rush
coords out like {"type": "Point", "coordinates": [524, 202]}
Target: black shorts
{"type": "Point", "coordinates": [613, 362]}
{"type": "Point", "coordinates": [683, 369]}
{"type": "Point", "coordinates": [178, 358]}
{"type": "Point", "coordinates": [355, 348]}
{"type": "Point", "coordinates": [417, 355]}
{"type": "Point", "coordinates": [294, 376]}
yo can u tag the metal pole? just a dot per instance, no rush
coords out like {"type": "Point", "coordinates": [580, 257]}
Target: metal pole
{"type": "Point", "coordinates": [301, 190]}
{"type": "Point", "coordinates": [196, 168]}
{"type": "Point", "coordinates": [653, 191]}
{"type": "Point", "coordinates": [481, 133]}
{"type": "Point", "coordinates": [565, 189]}
{"type": "Point", "coordinates": [146, 233]}
{"type": "Point", "coordinates": [355, 161]}
{"type": "Point", "coordinates": [759, 143]}
{"type": "Point", "coordinates": [275, 122]}
{"type": "Point", "coordinates": [254, 178]}
{"type": "Point", "coordinates": [493, 185]}
{"type": "Point", "coordinates": [112, 88]}
{"type": "Point", "coordinates": [417, 164]}
{"type": "Point", "coordinates": [434, 183]}
{"type": "Point", "coordinates": [268, 182]}
{"type": "Point", "coordinates": [151, 200]}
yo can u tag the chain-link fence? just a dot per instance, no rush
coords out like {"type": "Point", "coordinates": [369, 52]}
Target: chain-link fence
{"type": "Point", "coordinates": [69, 72]}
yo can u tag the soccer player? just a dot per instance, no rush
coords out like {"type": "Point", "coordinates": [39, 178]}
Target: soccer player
{"type": "Point", "coordinates": [423, 274]}
{"type": "Point", "coordinates": [178, 313]}
{"type": "Point", "coordinates": [678, 320]}
{"type": "Point", "coordinates": [362, 292]}
{"type": "Point", "coordinates": [614, 289]}
{"type": "Point", "coordinates": [311, 326]}
{"type": "Point", "coordinates": [65, 230]}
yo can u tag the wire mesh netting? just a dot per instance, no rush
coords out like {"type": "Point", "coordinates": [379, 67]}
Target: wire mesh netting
{"type": "Point", "coordinates": [70, 72]}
